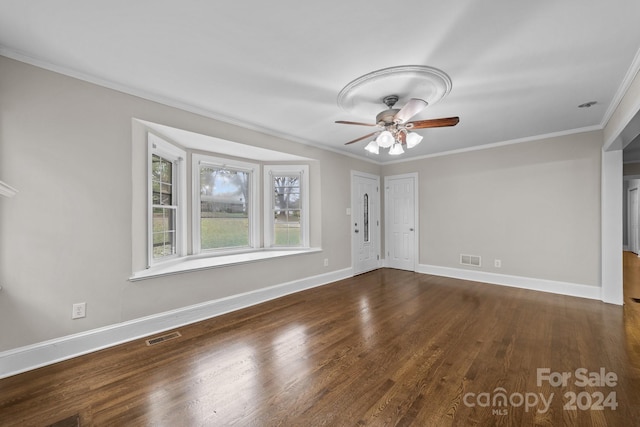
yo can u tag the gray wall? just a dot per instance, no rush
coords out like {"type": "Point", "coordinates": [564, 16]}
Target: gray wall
{"type": "Point", "coordinates": [535, 206]}
{"type": "Point", "coordinates": [66, 237]}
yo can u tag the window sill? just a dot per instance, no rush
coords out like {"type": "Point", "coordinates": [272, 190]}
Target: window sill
{"type": "Point", "coordinates": [195, 263]}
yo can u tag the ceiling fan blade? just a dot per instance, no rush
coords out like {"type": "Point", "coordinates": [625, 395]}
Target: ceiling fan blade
{"type": "Point", "coordinates": [433, 123]}
{"type": "Point", "coordinates": [410, 109]}
{"type": "Point", "coordinates": [361, 138]}
{"type": "Point", "coordinates": [344, 122]}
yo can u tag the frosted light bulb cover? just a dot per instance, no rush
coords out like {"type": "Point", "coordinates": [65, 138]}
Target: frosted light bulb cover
{"type": "Point", "coordinates": [373, 148]}
{"type": "Point", "coordinates": [396, 149]}
{"type": "Point", "coordinates": [385, 139]}
{"type": "Point", "coordinates": [413, 139]}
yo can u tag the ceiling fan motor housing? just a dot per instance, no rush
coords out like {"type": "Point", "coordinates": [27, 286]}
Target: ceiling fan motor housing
{"type": "Point", "coordinates": [387, 116]}
{"type": "Point", "coordinates": [390, 100]}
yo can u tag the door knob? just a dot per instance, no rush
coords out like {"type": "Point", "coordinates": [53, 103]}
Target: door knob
{"type": "Point", "coordinates": [411, 229]}
{"type": "Point", "coordinates": [357, 231]}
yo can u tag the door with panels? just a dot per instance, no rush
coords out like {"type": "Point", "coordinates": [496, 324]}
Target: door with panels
{"type": "Point", "coordinates": [401, 221]}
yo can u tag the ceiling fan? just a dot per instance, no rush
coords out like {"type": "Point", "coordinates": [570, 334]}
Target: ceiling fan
{"type": "Point", "coordinates": [395, 130]}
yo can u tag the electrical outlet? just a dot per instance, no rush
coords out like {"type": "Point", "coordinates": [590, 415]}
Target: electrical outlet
{"type": "Point", "coordinates": [326, 262]}
{"type": "Point", "coordinates": [79, 310]}
{"type": "Point", "coordinates": [497, 263]}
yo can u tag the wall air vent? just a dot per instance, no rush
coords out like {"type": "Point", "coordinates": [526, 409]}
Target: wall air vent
{"type": "Point", "coordinates": [163, 338]}
{"type": "Point", "coordinates": [472, 260]}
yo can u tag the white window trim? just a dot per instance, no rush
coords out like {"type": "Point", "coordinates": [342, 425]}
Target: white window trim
{"type": "Point", "coordinates": [162, 148]}
{"type": "Point", "coordinates": [189, 263]}
{"type": "Point", "coordinates": [254, 195]}
{"type": "Point", "coordinates": [146, 142]}
{"type": "Point", "coordinates": [269, 171]}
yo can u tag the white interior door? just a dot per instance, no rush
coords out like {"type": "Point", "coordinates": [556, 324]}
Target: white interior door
{"type": "Point", "coordinates": [365, 223]}
{"type": "Point", "coordinates": [400, 221]}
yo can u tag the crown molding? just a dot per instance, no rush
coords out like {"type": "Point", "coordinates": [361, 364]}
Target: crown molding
{"type": "Point", "coordinates": [21, 57]}
{"type": "Point", "coordinates": [633, 70]}
{"type": "Point", "coordinates": [502, 143]}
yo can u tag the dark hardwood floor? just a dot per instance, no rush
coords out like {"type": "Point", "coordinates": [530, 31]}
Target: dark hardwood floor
{"type": "Point", "coordinates": [385, 348]}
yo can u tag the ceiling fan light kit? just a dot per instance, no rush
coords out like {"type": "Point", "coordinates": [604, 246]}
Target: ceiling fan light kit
{"type": "Point", "coordinates": [430, 84]}
{"type": "Point", "coordinates": [373, 147]}
{"type": "Point", "coordinates": [396, 149]}
{"type": "Point", "coordinates": [385, 139]}
{"type": "Point", "coordinates": [413, 139]}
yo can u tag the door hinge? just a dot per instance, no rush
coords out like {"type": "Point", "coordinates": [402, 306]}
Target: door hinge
{"type": "Point", "coordinates": [378, 257]}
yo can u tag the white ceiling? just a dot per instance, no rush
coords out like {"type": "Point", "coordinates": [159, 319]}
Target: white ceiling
{"type": "Point", "coordinates": [519, 69]}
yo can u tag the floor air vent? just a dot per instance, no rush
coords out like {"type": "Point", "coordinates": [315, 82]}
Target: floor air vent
{"type": "Point", "coordinates": [163, 338]}
{"type": "Point", "coordinates": [73, 421]}
{"type": "Point", "coordinates": [472, 260]}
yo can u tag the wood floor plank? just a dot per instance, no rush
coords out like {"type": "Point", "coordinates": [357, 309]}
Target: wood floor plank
{"type": "Point", "coordinates": [387, 347]}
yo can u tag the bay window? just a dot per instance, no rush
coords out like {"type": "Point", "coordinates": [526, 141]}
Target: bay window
{"type": "Point", "coordinates": [224, 204]}
{"type": "Point", "coordinates": [287, 206]}
{"type": "Point", "coordinates": [221, 213]}
{"type": "Point", "coordinates": [208, 209]}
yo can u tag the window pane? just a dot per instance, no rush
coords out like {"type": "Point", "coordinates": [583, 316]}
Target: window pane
{"type": "Point", "coordinates": [161, 181]}
{"type": "Point", "coordinates": [286, 210]}
{"type": "Point", "coordinates": [166, 171]}
{"type": "Point", "coordinates": [164, 210]}
{"type": "Point", "coordinates": [164, 232]}
{"type": "Point", "coordinates": [165, 188]}
{"type": "Point", "coordinates": [286, 228]}
{"type": "Point", "coordinates": [156, 166]}
{"type": "Point", "coordinates": [156, 192]}
{"type": "Point", "coordinates": [286, 192]}
{"type": "Point", "coordinates": [224, 208]}
{"type": "Point", "coordinates": [365, 220]}
{"type": "Point", "coordinates": [286, 198]}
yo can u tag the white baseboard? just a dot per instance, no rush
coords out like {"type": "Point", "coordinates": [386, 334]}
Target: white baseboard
{"type": "Point", "coordinates": [555, 287]}
{"type": "Point", "coordinates": [45, 353]}
{"type": "Point", "coordinates": [30, 357]}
